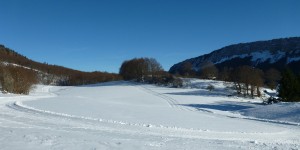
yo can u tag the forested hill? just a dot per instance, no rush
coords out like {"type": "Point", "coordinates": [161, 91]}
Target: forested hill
{"type": "Point", "coordinates": [52, 74]}
{"type": "Point", "coordinates": [276, 53]}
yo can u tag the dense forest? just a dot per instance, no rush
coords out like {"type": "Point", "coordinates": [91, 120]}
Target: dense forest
{"type": "Point", "coordinates": [17, 73]}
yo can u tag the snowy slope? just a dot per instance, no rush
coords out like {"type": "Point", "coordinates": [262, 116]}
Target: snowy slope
{"type": "Point", "coordinates": [125, 115]}
{"type": "Point", "coordinates": [16, 65]}
{"type": "Point", "coordinates": [276, 53]}
{"type": "Point", "coordinates": [260, 57]}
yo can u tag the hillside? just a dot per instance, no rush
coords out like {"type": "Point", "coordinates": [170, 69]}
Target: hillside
{"type": "Point", "coordinates": [53, 74]}
{"type": "Point", "coordinates": [276, 53]}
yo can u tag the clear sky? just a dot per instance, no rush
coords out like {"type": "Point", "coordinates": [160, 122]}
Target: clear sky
{"type": "Point", "coordinates": [91, 35]}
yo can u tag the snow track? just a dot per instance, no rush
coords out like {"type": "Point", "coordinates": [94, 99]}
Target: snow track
{"type": "Point", "coordinates": [37, 124]}
{"type": "Point", "coordinates": [172, 102]}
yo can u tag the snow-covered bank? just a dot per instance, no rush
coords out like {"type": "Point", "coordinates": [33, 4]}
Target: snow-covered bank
{"type": "Point", "coordinates": [284, 112]}
{"type": "Point", "coordinates": [122, 115]}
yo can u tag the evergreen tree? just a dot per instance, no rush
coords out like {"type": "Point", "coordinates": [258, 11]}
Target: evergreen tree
{"type": "Point", "coordinates": [289, 89]}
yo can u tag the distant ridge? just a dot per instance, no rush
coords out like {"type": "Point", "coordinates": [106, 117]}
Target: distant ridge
{"type": "Point", "coordinates": [276, 53]}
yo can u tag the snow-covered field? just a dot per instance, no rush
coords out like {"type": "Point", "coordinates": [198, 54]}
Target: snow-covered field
{"type": "Point", "coordinates": [126, 115]}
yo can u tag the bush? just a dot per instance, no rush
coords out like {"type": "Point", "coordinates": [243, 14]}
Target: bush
{"type": "Point", "coordinates": [7, 81]}
{"type": "Point", "coordinates": [17, 79]}
{"type": "Point", "coordinates": [177, 82]}
{"type": "Point", "coordinates": [271, 100]}
{"type": "Point", "coordinates": [210, 87]}
{"type": "Point", "coordinates": [165, 79]}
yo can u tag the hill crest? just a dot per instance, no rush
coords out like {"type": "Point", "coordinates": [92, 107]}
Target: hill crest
{"type": "Point", "coordinates": [276, 53]}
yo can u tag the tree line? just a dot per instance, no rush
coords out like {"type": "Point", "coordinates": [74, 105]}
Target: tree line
{"type": "Point", "coordinates": [248, 80]}
{"type": "Point", "coordinates": [147, 70]}
{"type": "Point", "coordinates": [18, 73]}
{"type": "Point", "coordinates": [55, 74]}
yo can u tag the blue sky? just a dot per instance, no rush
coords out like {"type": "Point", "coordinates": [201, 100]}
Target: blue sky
{"type": "Point", "coordinates": [91, 35]}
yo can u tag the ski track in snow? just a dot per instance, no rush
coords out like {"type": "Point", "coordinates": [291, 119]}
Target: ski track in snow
{"type": "Point", "coordinates": [26, 127]}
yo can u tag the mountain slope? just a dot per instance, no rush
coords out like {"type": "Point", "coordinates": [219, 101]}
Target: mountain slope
{"type": "Point", "coordinates": [276, 53]}
{"type": "Point", "coordinates": [53, 74]}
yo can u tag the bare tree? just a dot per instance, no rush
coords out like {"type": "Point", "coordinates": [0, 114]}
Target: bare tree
{"type": "Point", "coordinates": [209, 70]}
{"type": "Point", "coordinates": [247, 80]}
{"type": "Point", "coordinates": [7, 80]}
{"type": "Point", "coordinates": [245, 74]}
{"type": "Point", "coordinates": [187, 69]}
{"type": "Point", "coordinates": [17, 79]}
{"type": "Point", "coordinates": [140, 69]}
{"type": "Point", "coordinates": [236, 79]}
{"type": "Point", "coordinates": [256, 81]}
{"type": "Point", "coordinates": [272, 77]}
{"type": "Point", "coordinates": [154, 67]}
{"type": "Point", "coordinates": [224, 74]}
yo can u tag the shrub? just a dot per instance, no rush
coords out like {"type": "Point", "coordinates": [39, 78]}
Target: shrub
{"type": "Point", "coordinates": [17, 79]}
{"type": "Point", "coordinates": [210, 87]}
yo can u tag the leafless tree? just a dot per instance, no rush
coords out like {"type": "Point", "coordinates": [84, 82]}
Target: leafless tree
{"type": "Point", "coordinates": [209, 70]}
{"type": "Point", "coordinates": [272, 77]}
{"type": "Point", "coordinates": [187, 69]}
{"type": "Point", "coordinates": [140, 69]}
{"type": "Point", "coordinates": [17, 79]}
{"type": "Point", "coordinates": [247, 80]}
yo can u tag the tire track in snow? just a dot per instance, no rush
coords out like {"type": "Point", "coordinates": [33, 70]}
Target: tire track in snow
{"type": "Point", "coordinates": [153, 130]}
{"type": "Point", "coordinates": [19, 106]}
{"type": "Point", "coordinates": [171, 101]}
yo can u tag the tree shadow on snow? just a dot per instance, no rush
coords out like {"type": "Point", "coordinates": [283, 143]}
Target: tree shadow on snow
{"type": "Point", "coordinates": [227, 106]}
{"type": "Point", "coordinates": [215, 93]}
{"type": "Point", "coordinates": [110, 83]}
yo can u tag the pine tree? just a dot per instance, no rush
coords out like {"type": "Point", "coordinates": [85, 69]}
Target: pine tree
{"type": "Point", "coordinates": [289, 89]}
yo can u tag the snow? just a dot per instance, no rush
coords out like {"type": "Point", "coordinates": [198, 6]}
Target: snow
{"type": "Point", "coordinates": [285, 112]}
{"type": "Point", "coordinates": [231, 57]}
{"type": "Point", "coordinates": [16, 65]}
{"type": "Point", "coordinates": [291, 59]}
{"type": "Point", "coordinates": [263, 56]}
{"type": "Point", "coordinates": [126, 115]}
{"type": "Point", "coordinates": [257, 57]}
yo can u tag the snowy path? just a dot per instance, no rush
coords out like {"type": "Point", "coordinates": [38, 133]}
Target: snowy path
{"type": "Point", "coordinates": [121, 115]}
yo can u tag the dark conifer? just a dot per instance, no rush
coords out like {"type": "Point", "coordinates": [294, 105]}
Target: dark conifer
{"type": "Point", "coordinates": [289, 89]}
